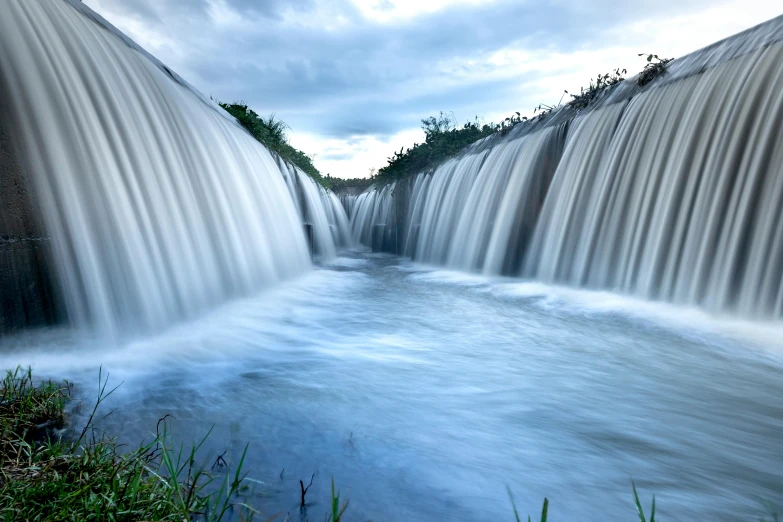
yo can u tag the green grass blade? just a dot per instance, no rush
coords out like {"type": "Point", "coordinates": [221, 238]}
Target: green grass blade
{"type": "Point", "coordinates": [652, 515]}
{"type": "Point", "coordinates": [513, 505]}
{"type": "Point", "coordinates": [639, 508]}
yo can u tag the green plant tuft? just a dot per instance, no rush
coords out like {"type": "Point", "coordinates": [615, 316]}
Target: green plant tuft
{"type": "Point", "coordinates": [337, 509]}
{"type": "Point", "coordinates": [45, 475]}
{"type": "Point", "coordinates": [655, 67]}
{"type": "Point", "coordinates": [639, 509]}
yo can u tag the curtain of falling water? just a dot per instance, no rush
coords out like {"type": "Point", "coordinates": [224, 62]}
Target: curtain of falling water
{"type": "Point", "coordinates": [476, 212]}
{"type": "Point", "coordinates": [673, 195]}
{"type": "Point", "coordinates": [370, 208]}
{"type": "Point", "coordinates": [319, 208]}
{"type": "Point", "coordinates": [338, 219]}
{"type": "Point", "coordinates": [682, 202]}
{"type": "Point", "coordinates": [158, 206]}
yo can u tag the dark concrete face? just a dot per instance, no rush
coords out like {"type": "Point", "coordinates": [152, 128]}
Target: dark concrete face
{"type": "Point", "coordinates": [27, 293]}
{"type": "Point", "coordinates": [17, 218]}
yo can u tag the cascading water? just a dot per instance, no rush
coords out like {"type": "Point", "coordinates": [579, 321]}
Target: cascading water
{"type": "Point", "coordinates": [669, 192]}
{"type": "Point", "coordinates": [699, 219]}
{"type": "Point", "coordinates": [318, 208]}
{"type": "Point", "coordinates": [348, 201]}
{"type": "Point", "coordinates": [157, 203]}
{"type": "Point", "coordinates": [316, 215]}
{"type": "Point", "coordinates": [371, 210]}
{"type": "Point", "coordinates": [338, 219]}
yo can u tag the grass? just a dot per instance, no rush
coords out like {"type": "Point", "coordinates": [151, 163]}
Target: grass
{"type": "Point", "coordinates": [443, 138]}
{"type": "Point", "coordinates": [337, 509]}
{"type": "Point", "coordinates": [639, 509]}
{"type": "Point", "coordinates": [655, 67]}
{"type": "Point", "coordinates": [271, 132]}
{"type": "Point", "coordinates": [544, 510]}
{"type": "Point", "coordinates": [47, 476]}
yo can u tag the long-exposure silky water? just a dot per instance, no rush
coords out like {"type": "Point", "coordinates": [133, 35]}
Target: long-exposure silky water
{"type": "Point", "coordinates": [671, 194]}
{"type": "Point", "coordinates": [427, 393]}
{"type": "Point", "coordinates": [590, 298]}
{"type": "Point", "coordinates": [158, 204]}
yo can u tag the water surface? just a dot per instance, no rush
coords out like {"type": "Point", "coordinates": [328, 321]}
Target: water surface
{"type": "Point", "coordinates": [425, 393]}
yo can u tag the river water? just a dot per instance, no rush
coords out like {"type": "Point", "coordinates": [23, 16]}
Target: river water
{"type": "Point", "coordinates": [426, 393]}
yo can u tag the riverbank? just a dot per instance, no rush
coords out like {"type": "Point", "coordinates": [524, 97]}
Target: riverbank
{"type": "Point", "coordinates": [49, 471]}
{"type": "Point", "coordinates": [52, 472]}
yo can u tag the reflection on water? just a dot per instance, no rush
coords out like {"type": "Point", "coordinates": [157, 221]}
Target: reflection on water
{"type": "Point", "coordinates": [425, 393]}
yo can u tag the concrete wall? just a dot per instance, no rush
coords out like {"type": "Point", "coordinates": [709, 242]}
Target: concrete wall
{"type": "Point", "coordinates": [27, 294]}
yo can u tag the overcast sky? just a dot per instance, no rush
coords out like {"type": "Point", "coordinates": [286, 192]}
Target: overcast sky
{"type": "Point", "coordinates": [353, 78]}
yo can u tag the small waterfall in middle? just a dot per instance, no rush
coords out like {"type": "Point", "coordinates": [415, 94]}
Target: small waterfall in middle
{"type": "Point", "coordinates": [475, 212]}
{"type": "Point", "coordinates": [320, 209]}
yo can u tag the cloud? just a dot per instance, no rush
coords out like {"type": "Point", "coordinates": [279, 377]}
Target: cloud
{"type": "Point", "coordinates": [342, 69]}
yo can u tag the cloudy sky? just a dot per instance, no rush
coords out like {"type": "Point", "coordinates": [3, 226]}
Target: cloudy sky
{"type": "Point", "coordinates": [353, 78]}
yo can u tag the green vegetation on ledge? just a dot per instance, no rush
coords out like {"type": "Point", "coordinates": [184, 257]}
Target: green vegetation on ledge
{"type": "Point", "coordinates": [50, 474]}
{"type": "Point", "coordinates": [271, 132]}
{"type": "Point", "coordinates": [443, 139]}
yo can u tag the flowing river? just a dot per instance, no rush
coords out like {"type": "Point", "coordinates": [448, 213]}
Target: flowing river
{"type": "Point", "coordinates": [426, 393]}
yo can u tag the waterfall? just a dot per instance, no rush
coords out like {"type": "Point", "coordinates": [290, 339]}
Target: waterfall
{"type": "Point", "coordinates": [158, 204]}
{"type": "Point", "coordinates": [684, 203]}
{"type": "Point", "coordinates": [669, 192]}
{"type": "Point", "coordinates": [319, 209]}
{"type": "Point", "coordinates": [338, 219]}
{"type": "Point", "coordinates": [348, 201]}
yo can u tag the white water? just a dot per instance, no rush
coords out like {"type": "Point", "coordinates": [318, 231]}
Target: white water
{"type": "Point", "coordinates": [674, 195]}
{"type": "Point", "coordinates": [684, 204]}
{"type": "Point", "coordinates": [158, 204]}
{"type": "Point", "coordinates": [369, 209]}
{"type": "Point", "coordinates": [319, 208]}
{"type": "Point", "coordinates": [337, 218]}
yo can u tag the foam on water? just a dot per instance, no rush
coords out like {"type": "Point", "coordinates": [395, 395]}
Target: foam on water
{"type": "Point", "coordinates": [767, 335]}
